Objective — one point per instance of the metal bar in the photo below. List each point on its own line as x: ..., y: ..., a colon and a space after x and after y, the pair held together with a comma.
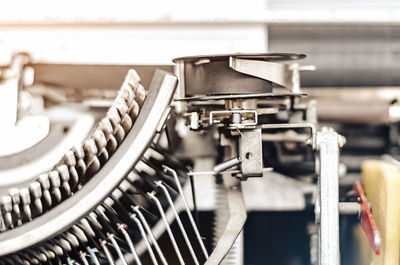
x: 151, y: 253
x: 107, y: 252
x: 150, y: 234
x: 171, y: 236
x: 119, y: 252
x: 309, y: 125
x: 121, y: 227
x: 179, y: 186
x: 178, y: 219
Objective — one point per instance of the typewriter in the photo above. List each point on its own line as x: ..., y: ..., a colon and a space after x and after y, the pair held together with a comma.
x: 175, y: 164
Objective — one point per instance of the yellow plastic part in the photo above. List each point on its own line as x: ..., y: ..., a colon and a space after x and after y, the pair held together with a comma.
x: 381, y: 183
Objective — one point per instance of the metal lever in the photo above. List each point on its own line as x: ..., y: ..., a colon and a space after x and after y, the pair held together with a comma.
x: 282, y: 74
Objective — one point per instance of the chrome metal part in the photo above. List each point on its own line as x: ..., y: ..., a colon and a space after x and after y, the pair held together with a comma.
x: 327, y: 205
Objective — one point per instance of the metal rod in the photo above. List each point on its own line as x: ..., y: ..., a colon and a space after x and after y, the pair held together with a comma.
x: 171, y: 236
x: 115, y: 244
x: 227, y: 164
x: 151, y: 253
x: 178, y: 219
x: 150, y: 234
x: 178, y: 184
x: 121, y: 227
x: 107, y: 252
x: 83, y: 258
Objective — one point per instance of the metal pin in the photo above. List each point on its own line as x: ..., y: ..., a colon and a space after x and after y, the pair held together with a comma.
x: 110, y: 259
x: 171, y: 236
x: 115, y: 244
x: 178, y: 184
x: 150, y: 234
x: 121, y: 227
x: 178, y: 219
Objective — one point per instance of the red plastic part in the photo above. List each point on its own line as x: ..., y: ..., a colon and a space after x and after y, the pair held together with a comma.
x: 367, y: 220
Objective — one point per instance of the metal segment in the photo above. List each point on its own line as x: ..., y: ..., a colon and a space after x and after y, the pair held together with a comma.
x: 193, y: 223
x: 121, y: 227
x: 178, y: 219
x: 150, y: 234
x: 170, y: 234
x: 117, y: 248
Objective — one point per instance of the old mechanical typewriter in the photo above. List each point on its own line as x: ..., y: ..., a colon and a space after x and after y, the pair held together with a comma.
x: 90, y: 174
